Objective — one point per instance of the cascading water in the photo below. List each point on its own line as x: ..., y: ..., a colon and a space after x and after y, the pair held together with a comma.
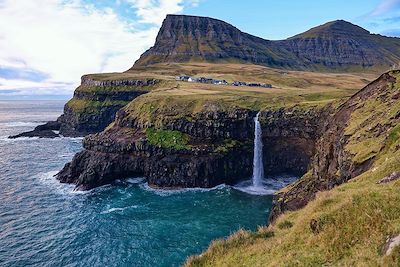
x: 258, y: 168
x: 260, y: 185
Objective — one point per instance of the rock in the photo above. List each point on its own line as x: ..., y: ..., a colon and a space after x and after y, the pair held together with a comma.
x: 391, y: 244
x: 334, y: 45
x: 77, y: 123
x: 332, y: 164
x: 314, y: 226
x: 123, y: 150
x: 42, y: 131
x: 392, y: 177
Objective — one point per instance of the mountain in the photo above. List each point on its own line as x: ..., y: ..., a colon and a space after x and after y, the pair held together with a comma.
x: 189, y: 38
x: 335, y: 45
x: 341, y: 44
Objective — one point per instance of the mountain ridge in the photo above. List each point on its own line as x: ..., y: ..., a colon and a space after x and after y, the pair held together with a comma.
x: 336, y: 45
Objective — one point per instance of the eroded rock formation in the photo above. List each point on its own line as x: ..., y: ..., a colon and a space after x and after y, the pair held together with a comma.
x: 219, y: 149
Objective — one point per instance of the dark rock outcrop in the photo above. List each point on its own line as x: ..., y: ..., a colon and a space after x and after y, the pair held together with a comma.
x: 47, y: 130
x: 93, y: 107
x: 101, y: 104
x: 336, y: 45
x: 334, y: 163
x: 124, y: 150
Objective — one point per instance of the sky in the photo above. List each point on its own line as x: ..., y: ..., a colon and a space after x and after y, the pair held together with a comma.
x: 47, y: 45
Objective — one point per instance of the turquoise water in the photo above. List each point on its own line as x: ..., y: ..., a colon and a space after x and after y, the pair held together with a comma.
x: 44, y: 223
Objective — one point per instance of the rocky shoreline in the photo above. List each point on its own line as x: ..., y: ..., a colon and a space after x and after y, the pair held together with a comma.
x: 218, y: 150
x: 92, y: 108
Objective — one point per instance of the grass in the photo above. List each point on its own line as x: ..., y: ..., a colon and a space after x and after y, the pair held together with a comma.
x: 353, y: 220
x: 372, y: 125
x: 226, y: 146
x: 169, y: 99
x: 345, y: 226
x: 167, y: 139
x: 80, y: 106
x: 173, y: 100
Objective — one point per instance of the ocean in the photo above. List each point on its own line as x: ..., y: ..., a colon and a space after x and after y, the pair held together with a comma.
x: 45, y: 223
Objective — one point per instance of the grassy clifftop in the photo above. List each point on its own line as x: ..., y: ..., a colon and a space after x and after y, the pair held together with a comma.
x: 348, y: 225
x: 175, y: 99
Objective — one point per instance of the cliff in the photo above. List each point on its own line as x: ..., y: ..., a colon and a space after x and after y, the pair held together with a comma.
x: 353, y: 139
x: 96, y: 101
x: 336, y: 45
x: 94, y: 105
x: 182, y: 134
x: 201, y: 148
x: 344, y: 211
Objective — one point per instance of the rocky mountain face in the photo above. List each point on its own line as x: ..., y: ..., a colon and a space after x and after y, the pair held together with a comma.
x: 190, y: 38
x: 218, y: 148
x: 364, y: 127
x: 337, y: 45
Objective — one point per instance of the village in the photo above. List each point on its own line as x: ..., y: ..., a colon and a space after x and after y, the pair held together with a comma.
x: 186, y: 78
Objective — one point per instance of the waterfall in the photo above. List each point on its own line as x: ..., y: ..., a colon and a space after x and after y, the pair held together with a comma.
x: 258, y: 168
x: 260, y: 185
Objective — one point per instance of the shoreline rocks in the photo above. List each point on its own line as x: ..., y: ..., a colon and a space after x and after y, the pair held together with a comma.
x: 47, y: 130
x: 220, y: 149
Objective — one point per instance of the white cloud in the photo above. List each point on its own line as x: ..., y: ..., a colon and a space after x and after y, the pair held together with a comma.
x: 154, y: 11
x: 151, y: 11
x: 66, y: 39
x: 385, y: 6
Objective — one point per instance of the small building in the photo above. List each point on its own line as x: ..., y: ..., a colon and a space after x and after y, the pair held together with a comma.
x: 205, y: 80
x: 220, y: 82
x: 264, y: 85
x: 183, y: 78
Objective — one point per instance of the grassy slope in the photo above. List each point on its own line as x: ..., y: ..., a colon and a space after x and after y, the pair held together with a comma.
x: 182, y: 99
x: 350, y: 223
x: 92, y: 106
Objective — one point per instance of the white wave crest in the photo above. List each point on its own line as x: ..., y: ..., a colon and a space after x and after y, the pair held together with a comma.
x: 168, y: 192
x: 110, y: 210
x: 48, y: 179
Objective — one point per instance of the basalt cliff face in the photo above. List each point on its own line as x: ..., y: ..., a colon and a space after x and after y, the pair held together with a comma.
x: 209, y: 148
x: 364, y: 127
x: 93, y: 107
x: 96, y: 102
x: 336, y: 45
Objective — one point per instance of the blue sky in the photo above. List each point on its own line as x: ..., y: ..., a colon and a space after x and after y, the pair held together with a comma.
x: 46, y: 45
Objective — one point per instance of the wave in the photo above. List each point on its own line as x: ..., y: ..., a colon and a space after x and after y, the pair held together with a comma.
x: 48, y: 179
x: 73, y: 139
x: 168, y: 192
x: 138, y: 180
x: 111, y: 210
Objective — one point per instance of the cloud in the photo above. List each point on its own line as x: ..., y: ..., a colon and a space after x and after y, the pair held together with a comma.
x: 64, y: 39
x: 154, y: 12
x: 385, y: 6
